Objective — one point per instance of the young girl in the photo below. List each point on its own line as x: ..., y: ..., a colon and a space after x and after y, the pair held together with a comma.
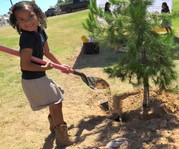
x: 166, y: 23
x: 107, y: 8
x: 28, y: 19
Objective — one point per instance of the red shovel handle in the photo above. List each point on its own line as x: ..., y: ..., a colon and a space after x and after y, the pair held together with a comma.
x: 38, y: 60
x: 90, y: 81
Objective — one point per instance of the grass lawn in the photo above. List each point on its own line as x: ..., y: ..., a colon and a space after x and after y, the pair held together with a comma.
x: 175, y: 22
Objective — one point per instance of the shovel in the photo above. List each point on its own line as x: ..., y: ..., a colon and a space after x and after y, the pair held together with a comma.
x: 92, y: 82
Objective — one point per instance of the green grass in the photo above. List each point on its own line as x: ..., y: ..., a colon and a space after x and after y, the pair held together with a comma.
x: 175, y: 22
x: 65, y: 32
x: 175, y: 5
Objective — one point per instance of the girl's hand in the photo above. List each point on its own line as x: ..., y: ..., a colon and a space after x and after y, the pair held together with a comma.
x: 48, y: 66
x: 67, y: 67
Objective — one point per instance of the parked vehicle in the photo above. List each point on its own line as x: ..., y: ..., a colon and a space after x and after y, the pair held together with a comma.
x: 51, y: 12
x: 72, y: 5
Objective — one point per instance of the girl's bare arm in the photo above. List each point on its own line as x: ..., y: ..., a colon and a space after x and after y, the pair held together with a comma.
x: 26, y: 64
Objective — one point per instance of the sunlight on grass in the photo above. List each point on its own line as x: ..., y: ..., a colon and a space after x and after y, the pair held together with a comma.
x: 175, y: 22
x: 1, y: 73
x: 67, y: 31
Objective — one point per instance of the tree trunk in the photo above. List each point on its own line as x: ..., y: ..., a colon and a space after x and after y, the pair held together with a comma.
x: 145, y: 78
x: 146, y: 101
x: 146, y: 96
x: 146, y: 84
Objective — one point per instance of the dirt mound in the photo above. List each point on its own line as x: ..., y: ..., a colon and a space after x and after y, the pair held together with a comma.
x: 159, y: 129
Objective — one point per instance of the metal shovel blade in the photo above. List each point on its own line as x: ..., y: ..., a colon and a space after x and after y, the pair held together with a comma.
x: 97, y: 83
x: 92, y: 82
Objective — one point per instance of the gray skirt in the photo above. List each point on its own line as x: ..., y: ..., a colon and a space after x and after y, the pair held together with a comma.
x: 42, y: 92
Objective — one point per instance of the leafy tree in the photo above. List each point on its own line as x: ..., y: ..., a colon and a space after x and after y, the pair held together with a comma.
x: 149, y: 56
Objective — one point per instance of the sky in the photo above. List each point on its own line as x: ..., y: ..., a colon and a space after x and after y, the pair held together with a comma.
x: 43, y: 4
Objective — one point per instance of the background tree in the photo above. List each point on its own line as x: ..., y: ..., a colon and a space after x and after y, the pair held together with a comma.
x: 148, y: 57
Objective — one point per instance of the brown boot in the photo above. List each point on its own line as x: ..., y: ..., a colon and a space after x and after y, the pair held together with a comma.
x: 52, y: 128
x: 62, y: 136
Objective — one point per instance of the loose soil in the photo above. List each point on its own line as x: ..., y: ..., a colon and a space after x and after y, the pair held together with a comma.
x: 91, y: 119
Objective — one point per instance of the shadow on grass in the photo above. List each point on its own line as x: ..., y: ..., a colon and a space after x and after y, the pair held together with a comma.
x: 140, y: 132
x: 49, y: 141
x: 106, y: 57
x: 176, y: 39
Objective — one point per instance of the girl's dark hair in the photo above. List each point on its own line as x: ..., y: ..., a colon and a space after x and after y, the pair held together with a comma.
x: 166, y: 6
x: 107, y: 4
x: 106, y: 8
x: 34, y: 7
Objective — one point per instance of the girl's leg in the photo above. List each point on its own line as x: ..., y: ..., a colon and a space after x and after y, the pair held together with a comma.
x: 167, y: 29
x: 170, y: 29
x: 61, y: 131
x: 56, y: 114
